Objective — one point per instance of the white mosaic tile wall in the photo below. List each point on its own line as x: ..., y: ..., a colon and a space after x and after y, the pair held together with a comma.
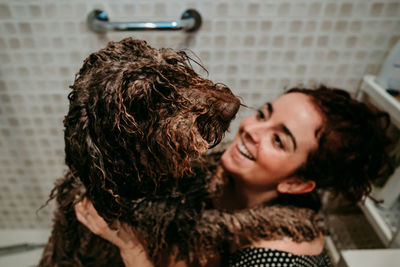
x: 256, y: 47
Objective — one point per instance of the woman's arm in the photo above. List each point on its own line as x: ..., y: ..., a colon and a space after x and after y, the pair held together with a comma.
x: 132, y: 251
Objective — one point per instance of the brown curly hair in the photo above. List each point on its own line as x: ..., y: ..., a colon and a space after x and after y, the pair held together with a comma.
x: 352, y: 144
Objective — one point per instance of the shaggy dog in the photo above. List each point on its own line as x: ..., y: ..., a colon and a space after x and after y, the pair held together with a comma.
x: 139, y: 122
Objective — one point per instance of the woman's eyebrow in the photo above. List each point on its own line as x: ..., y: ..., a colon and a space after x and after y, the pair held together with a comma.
x: 289, y: 133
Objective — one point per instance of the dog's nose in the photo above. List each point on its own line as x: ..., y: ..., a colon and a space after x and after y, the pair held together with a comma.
x: 229, y: 110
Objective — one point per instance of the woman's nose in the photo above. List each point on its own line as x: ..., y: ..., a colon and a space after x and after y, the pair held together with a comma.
x: 253, y: 131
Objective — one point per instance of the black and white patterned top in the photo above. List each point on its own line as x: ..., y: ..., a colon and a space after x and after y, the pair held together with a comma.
x: 264, y: 257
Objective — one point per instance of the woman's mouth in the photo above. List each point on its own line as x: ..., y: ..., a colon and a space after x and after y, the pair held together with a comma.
x: 243, y: 150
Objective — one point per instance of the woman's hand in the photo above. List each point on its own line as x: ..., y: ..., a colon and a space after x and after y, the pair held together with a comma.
x: 132, y: 251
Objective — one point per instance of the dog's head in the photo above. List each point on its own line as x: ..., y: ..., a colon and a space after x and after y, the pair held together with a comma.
x: 138, y: 115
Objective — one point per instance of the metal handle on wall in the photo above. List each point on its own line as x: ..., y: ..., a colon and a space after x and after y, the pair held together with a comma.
x: 98, y: 22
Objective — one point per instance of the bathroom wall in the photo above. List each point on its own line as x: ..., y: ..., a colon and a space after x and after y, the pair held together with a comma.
x: 258, y: 48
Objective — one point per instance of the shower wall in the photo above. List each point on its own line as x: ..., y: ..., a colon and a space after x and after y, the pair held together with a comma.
x: 258, y: 48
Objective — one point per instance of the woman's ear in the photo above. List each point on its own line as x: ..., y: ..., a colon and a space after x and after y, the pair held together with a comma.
x: 294, y: 185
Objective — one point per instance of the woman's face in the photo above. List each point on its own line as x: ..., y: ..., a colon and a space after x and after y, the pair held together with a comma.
x: 273, y: 143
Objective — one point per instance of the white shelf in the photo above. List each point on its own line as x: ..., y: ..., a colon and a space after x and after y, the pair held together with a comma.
x: 332, y: 250
x: 385, y: 218
x: 380, y: 98
x: 384, y: 221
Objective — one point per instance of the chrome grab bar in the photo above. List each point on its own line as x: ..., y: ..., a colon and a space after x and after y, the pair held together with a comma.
x: 98, y: 22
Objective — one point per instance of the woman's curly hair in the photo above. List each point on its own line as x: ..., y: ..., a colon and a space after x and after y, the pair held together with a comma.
x: 352, y: 144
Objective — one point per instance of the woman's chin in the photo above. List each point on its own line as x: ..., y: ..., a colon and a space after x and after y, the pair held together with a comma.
x: 227, y: 162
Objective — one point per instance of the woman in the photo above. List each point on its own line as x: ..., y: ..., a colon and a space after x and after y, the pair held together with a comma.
x: 305, y: 139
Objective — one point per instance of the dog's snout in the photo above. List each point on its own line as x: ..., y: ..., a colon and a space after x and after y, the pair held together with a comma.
x: 229, y: 110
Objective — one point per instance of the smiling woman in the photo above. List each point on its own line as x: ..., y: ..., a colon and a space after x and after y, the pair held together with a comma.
x: 271, y: 145
x: 303, y: 140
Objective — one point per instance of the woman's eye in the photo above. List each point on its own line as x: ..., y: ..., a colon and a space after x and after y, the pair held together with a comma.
x: 278, y: 142
x: 260, y: 114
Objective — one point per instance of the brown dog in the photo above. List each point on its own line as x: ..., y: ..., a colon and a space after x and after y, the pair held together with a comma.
x: 138, y: 118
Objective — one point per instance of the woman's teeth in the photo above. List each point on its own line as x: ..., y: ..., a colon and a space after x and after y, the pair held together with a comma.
x: 243, y: 150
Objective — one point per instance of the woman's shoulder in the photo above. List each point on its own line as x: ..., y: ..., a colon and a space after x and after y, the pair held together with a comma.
x: 285, y: 252
x: 251, y: 257
x: 310, y: 248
